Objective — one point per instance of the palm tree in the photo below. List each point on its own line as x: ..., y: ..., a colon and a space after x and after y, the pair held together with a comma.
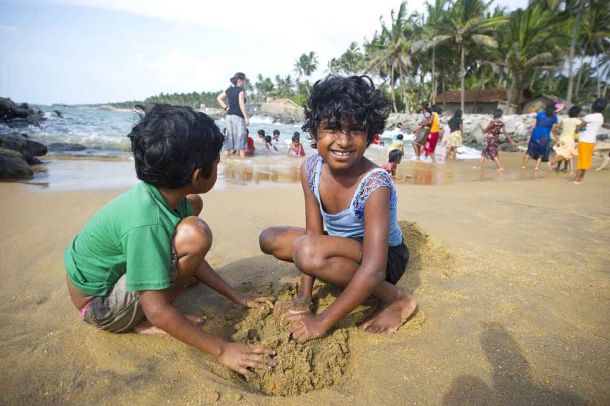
x: 433, y: 37
x: 575, y: 26
x: 350, y: 62
x: 284, y: 86
x: 388, y: 52
x: 596, y: 34
x: 306, y: 64
x: 531, y: 40
x: 467, y: 26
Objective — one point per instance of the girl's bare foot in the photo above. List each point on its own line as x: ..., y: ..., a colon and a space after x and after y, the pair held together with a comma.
x: 392, y: 316
x: 536, y: 169
x: 500, y: 169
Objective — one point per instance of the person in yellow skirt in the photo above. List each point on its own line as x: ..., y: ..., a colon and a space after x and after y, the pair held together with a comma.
x: 565, y: 149
x: 587, y: 138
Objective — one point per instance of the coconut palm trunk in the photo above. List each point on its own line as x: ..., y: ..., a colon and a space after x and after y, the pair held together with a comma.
x: 462, y: 77
x: 571, y: 54
x: 433, y: 75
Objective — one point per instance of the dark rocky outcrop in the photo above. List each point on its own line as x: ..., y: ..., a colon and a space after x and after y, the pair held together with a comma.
x: 19, y: 115
x: 16, y: 152
x: 14, y: 168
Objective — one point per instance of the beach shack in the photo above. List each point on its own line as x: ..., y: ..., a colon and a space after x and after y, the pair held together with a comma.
x: 476, y: 101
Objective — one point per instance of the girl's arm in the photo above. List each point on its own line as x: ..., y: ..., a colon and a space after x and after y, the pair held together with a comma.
x: 313, y: 224
x: 313, y: 218
x: 582, y: 125
x: 374, y: 259
x: 221, y: 100
x: 513, y: 143
x: 242, y: 106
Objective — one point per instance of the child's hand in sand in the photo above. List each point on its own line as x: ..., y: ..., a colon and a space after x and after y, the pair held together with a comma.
x: 256, y: 302
x: 305, y: 327
x: 239, y: 357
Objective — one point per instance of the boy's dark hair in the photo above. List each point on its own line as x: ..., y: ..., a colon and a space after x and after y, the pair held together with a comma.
x: 395, y: 155
x: 399, y: 137
x: 171, y: 142
x: 296, y: 137
x: 549, y: 110
x: 267, y: 138
x: 498, y: 113
x: 261, y: 133
x: 437, y: 109
x: 276, y: 132
x: 574, y: 111
x: 351, y: 101
x: 599, y: 105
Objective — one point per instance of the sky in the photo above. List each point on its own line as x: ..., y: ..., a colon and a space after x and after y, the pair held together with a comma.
x: 96, y: 51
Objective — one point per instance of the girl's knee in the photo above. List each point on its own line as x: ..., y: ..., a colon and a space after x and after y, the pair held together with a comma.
x: 306, y: 256
x: 193, y: 235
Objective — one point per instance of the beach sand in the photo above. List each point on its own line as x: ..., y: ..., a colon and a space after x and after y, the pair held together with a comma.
x: 511, y: 274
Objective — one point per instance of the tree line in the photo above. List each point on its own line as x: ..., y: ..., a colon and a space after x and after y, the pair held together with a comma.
x: 552, y: 47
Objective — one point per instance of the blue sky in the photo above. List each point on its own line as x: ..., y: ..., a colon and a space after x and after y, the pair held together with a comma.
x: 91, y: 51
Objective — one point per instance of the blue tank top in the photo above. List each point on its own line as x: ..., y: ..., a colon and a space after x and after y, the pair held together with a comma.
x: 350, y: 222
x: 233, y: 97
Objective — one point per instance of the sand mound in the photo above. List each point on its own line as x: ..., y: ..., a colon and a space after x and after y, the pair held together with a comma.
x: 300, y: 367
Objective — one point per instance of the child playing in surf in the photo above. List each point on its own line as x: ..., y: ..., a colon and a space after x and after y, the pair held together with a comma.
x: 296, y: 148
x: 343, y: 191
x: 394, y: 158
x: 135, y: 255
x: 492, y: 140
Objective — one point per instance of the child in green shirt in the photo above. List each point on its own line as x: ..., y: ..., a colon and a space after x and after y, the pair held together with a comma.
x: 136, y: 254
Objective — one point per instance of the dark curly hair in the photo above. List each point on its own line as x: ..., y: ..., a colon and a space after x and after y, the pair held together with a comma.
x: 344, y: 102
x: 171, y: 142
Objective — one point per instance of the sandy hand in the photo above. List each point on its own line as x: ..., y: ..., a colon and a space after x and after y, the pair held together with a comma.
x: 305, y: 327
x: 295, y: 306
x: 240, y: 357
x: 256, y: 302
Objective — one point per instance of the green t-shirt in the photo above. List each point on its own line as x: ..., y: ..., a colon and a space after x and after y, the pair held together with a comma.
x: 132, y: 234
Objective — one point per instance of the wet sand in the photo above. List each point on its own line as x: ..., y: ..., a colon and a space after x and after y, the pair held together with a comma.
x: 511, y: 273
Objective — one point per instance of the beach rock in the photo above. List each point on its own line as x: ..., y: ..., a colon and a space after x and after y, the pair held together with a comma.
x: 21, y: 143
x: 65, y: 147
x: 16, y: 115
x: 14, y: 168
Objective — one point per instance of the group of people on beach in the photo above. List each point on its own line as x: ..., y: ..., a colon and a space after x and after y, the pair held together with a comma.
x: 135, y: 255
x: 577, y: 139
x: 237, y: 139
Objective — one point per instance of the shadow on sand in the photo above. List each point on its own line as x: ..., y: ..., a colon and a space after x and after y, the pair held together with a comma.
x: 512, y: 378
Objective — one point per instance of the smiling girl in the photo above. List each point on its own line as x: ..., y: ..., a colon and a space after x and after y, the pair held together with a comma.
x: 351, y: 238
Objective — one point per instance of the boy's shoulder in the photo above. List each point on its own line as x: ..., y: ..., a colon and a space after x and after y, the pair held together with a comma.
x: 133, y: 209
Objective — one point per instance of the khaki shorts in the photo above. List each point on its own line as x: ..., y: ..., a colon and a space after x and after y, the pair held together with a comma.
x: 121, y: 310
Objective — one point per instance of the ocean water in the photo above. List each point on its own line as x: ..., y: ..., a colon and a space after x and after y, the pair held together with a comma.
x: 104, y: 133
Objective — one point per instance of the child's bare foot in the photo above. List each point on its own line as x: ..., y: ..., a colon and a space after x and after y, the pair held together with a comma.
x: 146, y: 327
x: 392, y: 316
x: 500, y: 169
x: 294, y: 306
x: 536, y: 169
x: 524, y: 167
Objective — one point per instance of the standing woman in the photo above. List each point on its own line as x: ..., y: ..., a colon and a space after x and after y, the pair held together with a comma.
x: 435, y: 127
x: 539, y: 145
x: 422, y: 131
x: 236, y: 119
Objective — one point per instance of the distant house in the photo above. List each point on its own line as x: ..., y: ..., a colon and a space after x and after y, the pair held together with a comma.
x: 539, y: 103
x: 281, y: 106
x: 476, y: 101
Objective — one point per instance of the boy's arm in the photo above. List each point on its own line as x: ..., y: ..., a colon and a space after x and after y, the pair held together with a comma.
x: 211, y: 278
x: 161, y: 313
x: 369, y: 275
